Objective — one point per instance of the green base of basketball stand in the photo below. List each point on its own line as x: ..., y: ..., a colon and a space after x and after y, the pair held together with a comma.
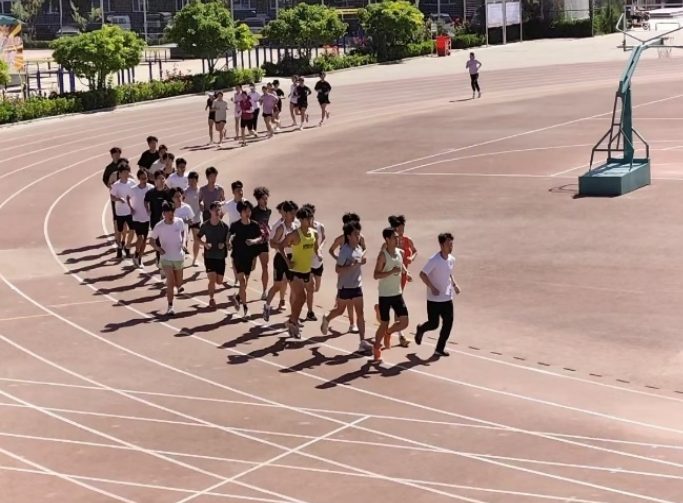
x: 615, y: 178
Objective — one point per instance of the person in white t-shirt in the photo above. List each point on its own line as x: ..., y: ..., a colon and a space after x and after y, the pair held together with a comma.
x: 171, y: 235
x: 229, y: 210
x: 437, y: 274
x: 255, y: 97
x: 473, y: 66
x: 120, y: 193
x: 178, y: 179
x: 140, y: 215
x: 313, y: 286
x: 183, y: 211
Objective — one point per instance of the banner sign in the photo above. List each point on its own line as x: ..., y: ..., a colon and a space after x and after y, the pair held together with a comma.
x: 512, y: 13
x: 12, y: 47
x: 494, y: 14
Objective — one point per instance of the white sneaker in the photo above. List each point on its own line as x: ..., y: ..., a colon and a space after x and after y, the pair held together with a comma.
x: 364, y: 347
x: 353, y: 329
x: 170, y: 311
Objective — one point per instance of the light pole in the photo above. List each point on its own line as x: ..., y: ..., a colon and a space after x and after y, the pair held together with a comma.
x: 61, y: 15
x: 144, y: 18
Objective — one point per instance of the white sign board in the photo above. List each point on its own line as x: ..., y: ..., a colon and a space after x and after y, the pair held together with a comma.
x: 494, y: 14
x: 512, y: 13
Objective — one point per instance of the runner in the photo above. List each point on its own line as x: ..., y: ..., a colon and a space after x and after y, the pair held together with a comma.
x: 304, y: 246
x: 437, y: 274
x: 246, y: 117
x: 192, y: 198
x: 212, y: 115
x: 473, y: 65
x: 183, y: 211
x: 220, y: 107
x: 140, y: 216
x: 336, y: 245
x: 214, y: 236
x: 150, y: 155
x: 110, y: 175
x: 237, y: 97
x: 302, y: 92
x: 261, y: 215
x: 167, y: 239
x: 120, y: 194
x: 245, y: 235
x: 154, y: 200
x: 281, y: 275
x: 269, y: 101
x: 350, y: 282
x: 389, y: 270
x: 293, y: 107
x: 168, y: 159
x: 157, y: 165
x: 255, y: 98
x: 323, y: 88
x: 278, y: 110
x: 178, y: 179
x: 313, y: 286
x: 210, y: 192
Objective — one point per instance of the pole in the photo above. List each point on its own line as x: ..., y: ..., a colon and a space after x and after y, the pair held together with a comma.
x: 232, y: 9
x: 464, y: 12
x: 521, y: 23
x: 277, y: 8
x: 61, y: 14
x: 505, y: 24
x: 438, y: 8
x: 102, y: 12
x: 144, y: 18
x: 486, y: 7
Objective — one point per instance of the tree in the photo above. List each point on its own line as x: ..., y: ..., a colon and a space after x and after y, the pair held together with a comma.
x: 392, y: 23
x: 83, y: 21
x: 97, y: 54
x: 4, y: 74
x: 27, y: 11
x: 208, y: 31
x: 305, y: 26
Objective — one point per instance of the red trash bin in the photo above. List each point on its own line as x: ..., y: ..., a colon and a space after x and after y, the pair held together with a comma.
x: 443, y: 45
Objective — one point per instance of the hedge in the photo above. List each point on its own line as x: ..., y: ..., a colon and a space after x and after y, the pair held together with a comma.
x: 361, y: 56
x: 467, y: 40
x: 16, y: 110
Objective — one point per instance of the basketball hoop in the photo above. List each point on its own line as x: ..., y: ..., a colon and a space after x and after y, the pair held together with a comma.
x: 664, y: 51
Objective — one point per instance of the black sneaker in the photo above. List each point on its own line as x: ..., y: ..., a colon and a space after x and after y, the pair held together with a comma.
x: 311, y: 316
x: 419, y: 334
x: 127, y: 252
x: 119, y: 253
x: 441, y: 352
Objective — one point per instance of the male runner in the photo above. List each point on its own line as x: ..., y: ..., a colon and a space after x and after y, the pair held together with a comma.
x: 350, y: 282
x: 214, y: 235
x: 110, y: 175
x: 245, y: 235
x: 154, y: 200
x: 120, y: 193
x: 150, y: 155
x: 389, y: 269
x: 281, y: 274
x: 210, y: 192
x: 304, y: 246
x: 323, y: 88
x: 178, y: 178
x: 437, y: 274
x: 261, y: 215
x: 167, y: 239
x: 140, y: 215
x: 230, y: 210
x: 192, y: 198
x: 317, y: 268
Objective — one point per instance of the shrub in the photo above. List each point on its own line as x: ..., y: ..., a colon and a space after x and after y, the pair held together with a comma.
x: 328, y: 62
x: 467, y: 40
x: 16, y: 110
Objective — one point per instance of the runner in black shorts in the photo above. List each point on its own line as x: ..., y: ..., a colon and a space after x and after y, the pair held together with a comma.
x: 245, y: 235
x: 214, y: 235
x: 261, y: 215
x: 323, y: 88
x: 302, y: 91
x: 278, y: 109
x: 154, y: 200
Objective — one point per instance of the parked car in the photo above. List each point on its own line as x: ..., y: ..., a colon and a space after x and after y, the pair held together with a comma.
x: 68, y: 31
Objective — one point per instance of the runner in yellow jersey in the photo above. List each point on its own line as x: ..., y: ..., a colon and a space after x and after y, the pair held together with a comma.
x: 304, y: 246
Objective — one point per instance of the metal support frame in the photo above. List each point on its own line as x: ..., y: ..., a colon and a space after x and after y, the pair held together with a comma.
x: 621, y: 132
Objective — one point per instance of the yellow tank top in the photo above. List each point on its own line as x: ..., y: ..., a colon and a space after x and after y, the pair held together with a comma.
x: 302, y: 253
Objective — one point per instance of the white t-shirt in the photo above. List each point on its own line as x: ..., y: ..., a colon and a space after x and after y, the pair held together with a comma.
x: 122, y: 190
x: 320, y: 232
x: 285, y: 230
x: 137, y: 201
x: 186, y: 214
x: 439, y: 270
x: 177, y: 181
x: 230, y: 210
x: 292, y: 97
x: 171, y: 238
x: 254, y: 99
x: 157, y: 165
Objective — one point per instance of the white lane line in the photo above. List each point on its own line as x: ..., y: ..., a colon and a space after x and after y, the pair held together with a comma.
x: 524, y: 133
x: 46, y: 471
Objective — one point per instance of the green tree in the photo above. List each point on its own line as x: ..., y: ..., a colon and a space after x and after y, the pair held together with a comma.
x: 83, y: 21
x: 97, y: 54
x: 27, y: 11
x: 208, y: 31
x: 4, y: 74
x: 305, y: 26
x: 392, y: 23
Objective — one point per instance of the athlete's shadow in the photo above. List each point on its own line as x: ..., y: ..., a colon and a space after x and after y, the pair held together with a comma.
x: 84, y: 248
x: 88, y: 258
x: 370, y: 369
x: 318, y: 359
x: 254, y: 333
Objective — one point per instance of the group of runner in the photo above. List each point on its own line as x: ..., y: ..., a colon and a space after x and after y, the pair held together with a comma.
x: 168, y: 210
x: 249, y: 104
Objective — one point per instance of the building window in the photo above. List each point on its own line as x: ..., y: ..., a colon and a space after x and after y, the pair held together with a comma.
x: 138, y: 5
x: 105, y: 5
x: 6, y: 6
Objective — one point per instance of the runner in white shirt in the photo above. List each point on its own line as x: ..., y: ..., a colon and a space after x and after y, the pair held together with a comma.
x: 183, y: 211
x: 255, y: 97
x: 437, y: 274
x: 192, y: 197
x: 120, y: 194
x: 229, y: 211
x: 473, y: 66
x: 140, y: 216
x: 293, y: 110
x: 313, y: 286
x: 171, y: 234
x: 237, y: 97
x: 178, y: 179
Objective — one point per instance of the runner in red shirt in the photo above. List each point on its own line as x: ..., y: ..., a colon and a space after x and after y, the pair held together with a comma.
x: 246, y: 116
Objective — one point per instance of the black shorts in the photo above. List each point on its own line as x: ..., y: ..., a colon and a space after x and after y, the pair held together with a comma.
x: 324, y: 100
x: 113, y: 209
x: 141, y: 228
x: 267, y: 115
x: 212, y: 116
x: 243, y: 264
x: 317, y: 271
x: 262, y: 248
x: 350, y: 293
x: 220, y: 122
x: 280, y: 269
x: 196, y: 225
x: 303, y: 276
x: 121, y: 222
x: 247, y: 123
x: 302, y: 106
x: 395, y: 303
x: 216, y: 265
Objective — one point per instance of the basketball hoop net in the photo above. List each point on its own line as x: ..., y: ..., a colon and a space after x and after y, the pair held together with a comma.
x: 664, y: 51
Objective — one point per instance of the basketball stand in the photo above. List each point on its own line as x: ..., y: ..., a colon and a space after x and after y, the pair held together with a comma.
x: 623, y: 172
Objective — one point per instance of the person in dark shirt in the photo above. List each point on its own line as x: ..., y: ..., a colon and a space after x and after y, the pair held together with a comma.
x: 302, y: 91
x: 150, y: 155
x: 214, y: 235
x: 278, y: 109
x: 323, y: 88
x: 245, y: 235
x: 110, y: 175
x: 261, y: 215
x: 154, y: 200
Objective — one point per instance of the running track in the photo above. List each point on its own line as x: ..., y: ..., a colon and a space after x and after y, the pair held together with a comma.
x: 102, y: 400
